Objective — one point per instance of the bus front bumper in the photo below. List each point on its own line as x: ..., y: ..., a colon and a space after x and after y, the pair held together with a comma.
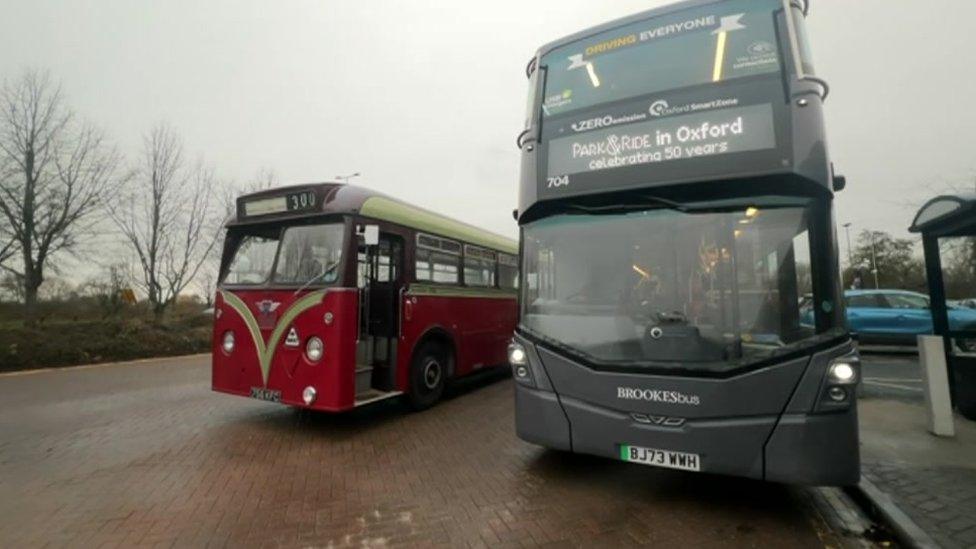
x: 812, y: 449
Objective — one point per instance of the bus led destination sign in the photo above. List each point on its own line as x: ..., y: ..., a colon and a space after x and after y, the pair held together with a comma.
x: 291, y: 202
x: 686, y: 137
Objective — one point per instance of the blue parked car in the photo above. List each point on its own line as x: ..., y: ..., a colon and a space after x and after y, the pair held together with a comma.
x: 897, y: 316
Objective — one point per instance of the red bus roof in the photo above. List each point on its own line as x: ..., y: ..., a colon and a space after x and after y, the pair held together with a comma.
x: 338, y: 198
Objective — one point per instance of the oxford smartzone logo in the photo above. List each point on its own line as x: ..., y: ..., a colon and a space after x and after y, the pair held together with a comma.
x: 657, y: 395
x: 659, y: 107
x: 662, y: 108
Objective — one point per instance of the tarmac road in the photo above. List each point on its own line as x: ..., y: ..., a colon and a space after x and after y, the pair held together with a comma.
x: 145, y: 454
x: 892, y: 375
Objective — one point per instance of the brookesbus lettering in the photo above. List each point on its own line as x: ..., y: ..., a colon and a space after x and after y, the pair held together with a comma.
x: 657, y: 395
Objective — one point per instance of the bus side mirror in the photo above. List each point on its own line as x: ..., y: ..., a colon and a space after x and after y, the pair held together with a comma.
x: 515, y: 214
x: 840, y: 183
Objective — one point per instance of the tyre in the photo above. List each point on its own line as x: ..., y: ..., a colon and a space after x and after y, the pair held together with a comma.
x: 428, y: 372
x: 968, y: 411
x: 967, y: 345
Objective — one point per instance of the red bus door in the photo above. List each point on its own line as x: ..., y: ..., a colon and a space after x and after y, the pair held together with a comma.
x: 381, y: 268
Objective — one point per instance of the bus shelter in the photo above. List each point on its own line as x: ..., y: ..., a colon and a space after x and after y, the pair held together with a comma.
x: 947, y: 225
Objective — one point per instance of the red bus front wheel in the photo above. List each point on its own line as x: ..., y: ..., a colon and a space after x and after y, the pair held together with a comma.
x: 427, y: 374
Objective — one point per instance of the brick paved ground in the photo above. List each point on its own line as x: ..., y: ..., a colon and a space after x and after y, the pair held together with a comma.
x: 931, y: 479
x: 941, y: 500
x: 147, y: 455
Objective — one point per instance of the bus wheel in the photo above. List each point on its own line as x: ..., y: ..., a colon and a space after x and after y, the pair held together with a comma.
x: 968, y: 410
x: 966, y: 345
x: 427, y: 373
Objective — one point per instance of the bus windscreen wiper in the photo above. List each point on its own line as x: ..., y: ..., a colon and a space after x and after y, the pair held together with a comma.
x: 328, y: 269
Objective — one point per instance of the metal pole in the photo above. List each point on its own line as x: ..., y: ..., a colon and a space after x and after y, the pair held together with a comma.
x: 850, y: 255
x: 874, y: 260
x: 937, y: 297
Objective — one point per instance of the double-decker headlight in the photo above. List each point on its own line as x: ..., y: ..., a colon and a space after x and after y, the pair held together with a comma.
x: 842, y: 375
x: 843, y: 372
x: 519, y: 360
x: 228, y: 342
x: 314, y: 349
x: 516, y: 354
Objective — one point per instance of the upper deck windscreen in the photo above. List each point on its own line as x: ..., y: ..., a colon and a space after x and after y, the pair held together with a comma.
x: 694, y: 95
x: 713, y: 43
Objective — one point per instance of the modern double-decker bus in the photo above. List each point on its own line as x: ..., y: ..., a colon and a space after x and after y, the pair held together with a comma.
x: 675, y: 209
x: 334, y: 296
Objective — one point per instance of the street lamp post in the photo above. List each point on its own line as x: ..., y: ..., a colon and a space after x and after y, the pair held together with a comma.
x: 850, y: 255
x: 874, y: 260
x: 346, y: 178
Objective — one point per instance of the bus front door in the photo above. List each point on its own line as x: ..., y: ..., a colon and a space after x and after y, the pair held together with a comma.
x: 380, y: 280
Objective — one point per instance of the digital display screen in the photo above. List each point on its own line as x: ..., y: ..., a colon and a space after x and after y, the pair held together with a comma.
x: 710, y: 44
x: 264, y: 206
x: 690, y: 136
x: 291, y: 202
x: 692, y: 95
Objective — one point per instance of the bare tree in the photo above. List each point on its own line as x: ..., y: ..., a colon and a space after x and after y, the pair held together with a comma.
x: 8, y: 248
x: 208, y: 281
x: 264, y: 178
x: 107, y: 288
x: 165, y: 218
x: 8, y: 242
x: 55, y: 174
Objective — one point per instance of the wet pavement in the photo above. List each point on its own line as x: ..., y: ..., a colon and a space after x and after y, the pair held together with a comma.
x: 892, y: 375
x: 931, y: 479
x: 146, y: 454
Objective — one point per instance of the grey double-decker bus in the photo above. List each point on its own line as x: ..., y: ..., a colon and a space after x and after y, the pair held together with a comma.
x: 680, y: 303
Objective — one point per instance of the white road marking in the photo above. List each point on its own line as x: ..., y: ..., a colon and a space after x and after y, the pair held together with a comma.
x: 894, y: 379
x: 894, y: 386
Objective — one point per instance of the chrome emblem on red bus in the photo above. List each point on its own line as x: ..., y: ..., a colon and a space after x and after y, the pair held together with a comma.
x: 266, y: 313
x: 267, y: 306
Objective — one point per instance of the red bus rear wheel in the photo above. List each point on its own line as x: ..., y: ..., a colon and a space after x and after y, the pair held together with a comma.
x: 427, y: 374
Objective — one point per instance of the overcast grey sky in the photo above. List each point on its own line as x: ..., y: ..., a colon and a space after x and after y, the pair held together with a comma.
x: 426, y: 97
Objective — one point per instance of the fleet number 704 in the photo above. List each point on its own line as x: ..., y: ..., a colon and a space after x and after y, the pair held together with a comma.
x: 557, y: 181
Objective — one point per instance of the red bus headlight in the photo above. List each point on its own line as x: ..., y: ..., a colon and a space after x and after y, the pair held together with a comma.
x: 314, y: 349
x: 228, y: 342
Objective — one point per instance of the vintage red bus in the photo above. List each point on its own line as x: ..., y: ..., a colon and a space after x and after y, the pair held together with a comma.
x: 334, y: 296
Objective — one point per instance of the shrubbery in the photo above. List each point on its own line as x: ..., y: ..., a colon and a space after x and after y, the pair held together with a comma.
x: 65, y: 340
